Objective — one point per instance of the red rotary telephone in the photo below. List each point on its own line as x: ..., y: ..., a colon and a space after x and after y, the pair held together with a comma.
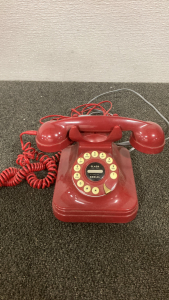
x: 95, y: 181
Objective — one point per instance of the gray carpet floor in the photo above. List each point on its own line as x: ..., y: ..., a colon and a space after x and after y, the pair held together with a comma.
x: 43, y: 258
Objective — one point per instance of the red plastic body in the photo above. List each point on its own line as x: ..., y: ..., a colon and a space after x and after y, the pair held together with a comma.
x: 113, y: 198
x: 118, y: 206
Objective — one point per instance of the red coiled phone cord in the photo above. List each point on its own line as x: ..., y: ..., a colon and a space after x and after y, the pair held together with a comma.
x: 13, y: 176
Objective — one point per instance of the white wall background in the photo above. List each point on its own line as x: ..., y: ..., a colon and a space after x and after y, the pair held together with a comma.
x: 91, y: 40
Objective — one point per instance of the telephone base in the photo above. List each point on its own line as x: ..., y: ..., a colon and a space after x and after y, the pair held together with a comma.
x: 91, y: 218
x: 118, y: 206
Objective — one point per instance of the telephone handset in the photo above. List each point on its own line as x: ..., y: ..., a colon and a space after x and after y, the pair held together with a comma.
x: 95, y: 181
x: 146, y: 137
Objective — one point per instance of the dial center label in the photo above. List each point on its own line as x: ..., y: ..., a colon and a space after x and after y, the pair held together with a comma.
x: 95, y: 171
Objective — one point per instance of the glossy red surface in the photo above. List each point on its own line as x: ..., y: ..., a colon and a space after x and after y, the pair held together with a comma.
x: 110, y: 199
x: 118, y: 206
x: 147, y: 137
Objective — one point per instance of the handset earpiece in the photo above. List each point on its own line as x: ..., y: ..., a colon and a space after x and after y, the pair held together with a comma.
x: 52, y: 136
x: 148, y: 138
